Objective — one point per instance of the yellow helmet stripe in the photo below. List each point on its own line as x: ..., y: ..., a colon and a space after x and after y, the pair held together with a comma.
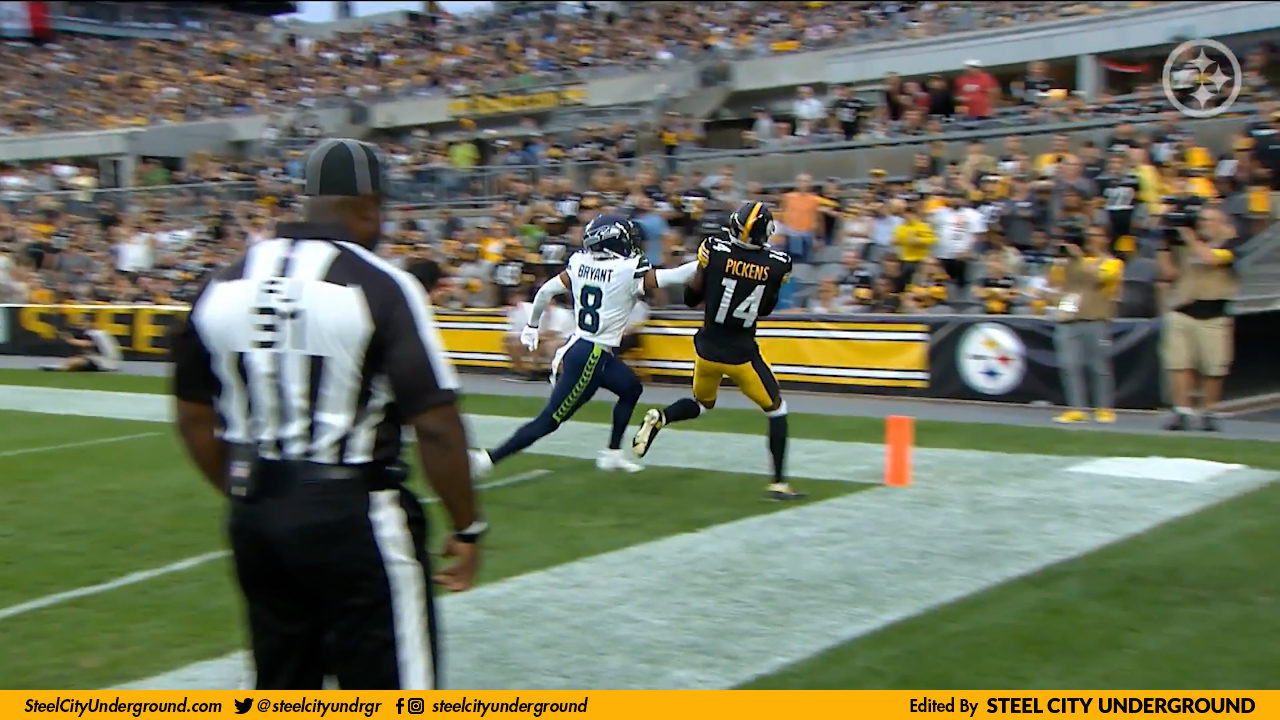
x: 751, y: 220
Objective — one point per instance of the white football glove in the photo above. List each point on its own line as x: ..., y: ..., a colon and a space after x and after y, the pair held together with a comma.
x: 529, y: 337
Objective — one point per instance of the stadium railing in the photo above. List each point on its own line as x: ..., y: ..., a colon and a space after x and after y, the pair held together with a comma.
x: 782, y: 162
x: 483, y: 182
x: 175, y: 200
x: 779, y: 164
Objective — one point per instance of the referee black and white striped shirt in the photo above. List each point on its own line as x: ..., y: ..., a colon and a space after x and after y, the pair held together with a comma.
x: 313, y: 348
x: 294, y: 373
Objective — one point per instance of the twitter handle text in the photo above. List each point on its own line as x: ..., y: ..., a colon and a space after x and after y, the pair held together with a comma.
x: 315, y: 707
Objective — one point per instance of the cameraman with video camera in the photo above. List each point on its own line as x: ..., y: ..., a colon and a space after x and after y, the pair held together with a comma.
x: 1197, y: 254
x: 1086, y: 276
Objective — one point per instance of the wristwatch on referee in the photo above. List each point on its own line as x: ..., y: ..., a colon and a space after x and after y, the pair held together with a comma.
x: 471, y: 533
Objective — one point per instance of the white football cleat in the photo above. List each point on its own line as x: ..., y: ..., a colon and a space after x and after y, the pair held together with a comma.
x: 481, y: 464
x: 612, y: 461
x: 783, y: 491
x: 653, y: 422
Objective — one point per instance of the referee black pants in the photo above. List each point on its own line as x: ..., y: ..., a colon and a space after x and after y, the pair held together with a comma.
x: 337, y: 582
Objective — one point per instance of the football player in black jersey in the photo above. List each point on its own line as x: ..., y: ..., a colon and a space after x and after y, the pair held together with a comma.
x: 740, y: 277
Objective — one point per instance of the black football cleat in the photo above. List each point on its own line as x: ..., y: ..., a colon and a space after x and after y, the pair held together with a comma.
x: 1177, y: 423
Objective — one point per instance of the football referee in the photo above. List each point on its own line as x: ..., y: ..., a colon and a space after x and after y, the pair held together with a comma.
x: 294, y: 373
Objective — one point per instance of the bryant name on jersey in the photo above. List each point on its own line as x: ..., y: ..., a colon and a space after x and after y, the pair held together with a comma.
x: 605, y: 290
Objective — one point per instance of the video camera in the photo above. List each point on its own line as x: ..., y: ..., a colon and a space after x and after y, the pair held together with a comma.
x: 1066, y: 235
x: 1183, y: 211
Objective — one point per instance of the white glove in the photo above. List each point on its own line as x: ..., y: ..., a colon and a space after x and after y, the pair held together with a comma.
x: 529, y: 337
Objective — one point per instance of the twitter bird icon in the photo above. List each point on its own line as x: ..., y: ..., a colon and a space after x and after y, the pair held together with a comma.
x: 242, y: 706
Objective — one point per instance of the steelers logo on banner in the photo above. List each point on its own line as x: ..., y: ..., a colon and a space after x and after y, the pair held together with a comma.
x: 991, y: 358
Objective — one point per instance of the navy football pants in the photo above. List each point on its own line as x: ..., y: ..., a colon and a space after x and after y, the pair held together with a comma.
x: 585, y: 368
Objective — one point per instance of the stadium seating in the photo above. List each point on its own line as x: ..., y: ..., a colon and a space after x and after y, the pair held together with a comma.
x: 594, y: 149
x: 215, y: 65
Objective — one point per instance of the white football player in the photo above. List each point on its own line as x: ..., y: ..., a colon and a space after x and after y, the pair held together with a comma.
x: 606, y: 278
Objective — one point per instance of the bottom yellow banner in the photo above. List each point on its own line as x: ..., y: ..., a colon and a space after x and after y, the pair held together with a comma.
x: 628, y: 704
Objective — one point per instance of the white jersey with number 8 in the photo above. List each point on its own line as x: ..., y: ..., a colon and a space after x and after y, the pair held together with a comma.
x: 605, y: 289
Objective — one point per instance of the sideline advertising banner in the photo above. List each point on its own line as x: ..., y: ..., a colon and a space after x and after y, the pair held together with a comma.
x: 143, y: 331
x: 964, y: 357
x: 517, y: 102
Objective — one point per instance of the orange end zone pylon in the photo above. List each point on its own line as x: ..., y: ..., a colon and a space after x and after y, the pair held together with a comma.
x: 899, y: 436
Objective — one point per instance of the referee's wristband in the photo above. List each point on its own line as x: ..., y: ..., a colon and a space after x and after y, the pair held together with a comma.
x: 471, y: 533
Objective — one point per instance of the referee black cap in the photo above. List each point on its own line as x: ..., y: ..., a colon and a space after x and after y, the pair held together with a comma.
x: 343, y: 167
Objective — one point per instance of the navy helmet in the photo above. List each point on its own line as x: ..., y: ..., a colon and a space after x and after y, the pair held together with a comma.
x: 610, y: 234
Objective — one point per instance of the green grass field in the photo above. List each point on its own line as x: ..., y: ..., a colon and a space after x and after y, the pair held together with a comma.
x: 1190, y: 604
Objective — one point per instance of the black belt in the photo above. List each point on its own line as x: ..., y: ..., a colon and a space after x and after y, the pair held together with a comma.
x: 250, y: 476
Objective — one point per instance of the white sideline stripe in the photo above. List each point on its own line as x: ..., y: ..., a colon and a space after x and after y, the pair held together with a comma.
x: 195, y: 561
x: 505, y: 482
x: 82, y: 443
x: 685, y: 449
x: 123, y: 581
x: 723, y: 605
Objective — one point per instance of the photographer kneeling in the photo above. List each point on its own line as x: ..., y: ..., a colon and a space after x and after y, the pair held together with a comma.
x: 1197, y: 332
x: 1086, y: 277
x: 92, y: 350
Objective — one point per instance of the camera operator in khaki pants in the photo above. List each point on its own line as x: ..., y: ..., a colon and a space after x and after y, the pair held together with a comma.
x: 1197, y: 336
x: 1086, y: 278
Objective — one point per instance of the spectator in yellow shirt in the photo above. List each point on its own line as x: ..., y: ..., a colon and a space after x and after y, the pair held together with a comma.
x: 1148, y: 178
x: 1198, y: 182
x: 1060, y: 152
x: 999, y: 288
x: 914, y: 238
x: 41, y: 295
x: 928, y: 287
x: 493, y: 245
x: 1198, y: 157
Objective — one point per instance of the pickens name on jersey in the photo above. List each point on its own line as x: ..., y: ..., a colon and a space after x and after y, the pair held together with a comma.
x: 746, y: 270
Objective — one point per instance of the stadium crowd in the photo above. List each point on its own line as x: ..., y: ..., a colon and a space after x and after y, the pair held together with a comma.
x: 967, y: 231
x: 231, y: 67
x: 974, y: 232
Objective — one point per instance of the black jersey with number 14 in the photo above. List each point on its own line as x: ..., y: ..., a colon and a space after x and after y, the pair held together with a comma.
x: 740, y: 285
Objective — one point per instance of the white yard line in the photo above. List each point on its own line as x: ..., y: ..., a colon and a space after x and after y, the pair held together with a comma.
x: 82, y: 443
x: 197, y: 560
x: 505, y: 482
x: 123, y: 581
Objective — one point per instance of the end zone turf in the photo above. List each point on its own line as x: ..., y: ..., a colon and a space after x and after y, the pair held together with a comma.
x: 675, y: 582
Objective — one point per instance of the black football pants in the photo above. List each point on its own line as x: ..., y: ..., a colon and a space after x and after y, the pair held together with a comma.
x: 337, y: 582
